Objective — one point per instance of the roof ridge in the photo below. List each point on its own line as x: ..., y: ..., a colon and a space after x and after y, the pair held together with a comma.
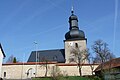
x: 48, y: 50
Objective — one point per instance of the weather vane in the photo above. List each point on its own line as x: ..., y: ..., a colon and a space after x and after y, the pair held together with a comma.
x: 72, y: 8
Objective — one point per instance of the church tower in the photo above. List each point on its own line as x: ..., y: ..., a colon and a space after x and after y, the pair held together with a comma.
x: 74, y: 37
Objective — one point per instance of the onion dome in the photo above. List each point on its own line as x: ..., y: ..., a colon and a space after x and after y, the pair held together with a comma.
x: 74, y: 32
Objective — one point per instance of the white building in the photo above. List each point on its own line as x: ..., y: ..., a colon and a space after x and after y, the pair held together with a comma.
x: 2, y: 55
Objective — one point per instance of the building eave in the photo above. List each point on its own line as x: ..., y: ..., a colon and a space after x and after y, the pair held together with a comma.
x: 29, y: 63
x: 114, y: 63
x: 75, y: 39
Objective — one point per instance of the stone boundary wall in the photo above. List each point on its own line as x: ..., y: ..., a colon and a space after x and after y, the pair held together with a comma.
x: 28, y: 70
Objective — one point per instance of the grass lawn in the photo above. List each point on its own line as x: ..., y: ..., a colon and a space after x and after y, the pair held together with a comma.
x: 65, y: 78
x: 41, y: 79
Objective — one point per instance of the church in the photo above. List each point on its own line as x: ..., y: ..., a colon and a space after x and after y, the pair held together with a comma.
x: 74, y: 37
x: 55, y: 58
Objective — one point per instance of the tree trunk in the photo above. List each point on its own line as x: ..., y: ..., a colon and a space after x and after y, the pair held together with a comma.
x: 92, y: 68
x: 80, y: 72
x: 46, y: 70
x: 79, y: 65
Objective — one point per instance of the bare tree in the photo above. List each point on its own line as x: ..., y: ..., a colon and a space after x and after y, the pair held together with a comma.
x: 91, y: 62
x: 45, y: 64
x: 56, y: 73
x: 12, y: 59
x: 102, y: 52
x: 78, y: 56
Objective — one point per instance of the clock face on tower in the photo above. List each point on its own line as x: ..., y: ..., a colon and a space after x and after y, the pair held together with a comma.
x: 71, y: 43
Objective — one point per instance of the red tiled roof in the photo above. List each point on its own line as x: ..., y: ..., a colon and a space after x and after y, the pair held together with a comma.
x: 73, y: 64
x: 109, y: 64
x: 58, y: 64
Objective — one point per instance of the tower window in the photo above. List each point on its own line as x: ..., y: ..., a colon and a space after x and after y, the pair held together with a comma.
x: 4, y: 74
x: 76, y: 45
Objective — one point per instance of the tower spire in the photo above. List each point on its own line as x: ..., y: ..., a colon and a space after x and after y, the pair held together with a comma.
x: 74, y: 32
x: 72, y: 10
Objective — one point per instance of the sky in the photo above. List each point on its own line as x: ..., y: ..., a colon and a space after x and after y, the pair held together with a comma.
x: 23, y: 22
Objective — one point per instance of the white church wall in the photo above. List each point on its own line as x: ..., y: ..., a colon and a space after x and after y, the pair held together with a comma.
x: 20, y: 71
x: 74, y: 70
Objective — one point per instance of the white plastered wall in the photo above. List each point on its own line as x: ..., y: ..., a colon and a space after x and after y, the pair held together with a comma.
x: 20, y: 71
